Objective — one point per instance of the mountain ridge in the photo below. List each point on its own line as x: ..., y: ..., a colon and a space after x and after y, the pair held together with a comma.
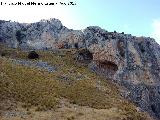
x: 132, y: 62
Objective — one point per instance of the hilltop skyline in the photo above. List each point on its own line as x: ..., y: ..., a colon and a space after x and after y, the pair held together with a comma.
x: 139, y: 18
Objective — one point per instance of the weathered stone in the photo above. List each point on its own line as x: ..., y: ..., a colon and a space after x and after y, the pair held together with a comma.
x: 74, y: 39
x: 36, y: 64
x: 133, y: 62
x: 83, y: 56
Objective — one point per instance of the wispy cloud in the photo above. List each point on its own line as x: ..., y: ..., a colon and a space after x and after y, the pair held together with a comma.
x: 156, y: 30
x: 124, y: 28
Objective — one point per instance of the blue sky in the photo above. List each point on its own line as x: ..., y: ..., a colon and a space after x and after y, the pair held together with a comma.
x: 137, y: 17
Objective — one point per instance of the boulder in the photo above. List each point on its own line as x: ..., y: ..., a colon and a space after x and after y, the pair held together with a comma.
x: 33, y: 55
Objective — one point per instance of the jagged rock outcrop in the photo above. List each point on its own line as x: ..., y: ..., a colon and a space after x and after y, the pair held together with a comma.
x: 133, y: 62
x: 8, y: 32
x: 45, y: 34
x: 83, y: 56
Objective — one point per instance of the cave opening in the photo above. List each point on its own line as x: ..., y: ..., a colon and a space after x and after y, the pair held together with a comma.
x: 153, y: 107
x: 84, y: 56
x: 108, y: 68
x: 121, y: 48
x: 76, y: 45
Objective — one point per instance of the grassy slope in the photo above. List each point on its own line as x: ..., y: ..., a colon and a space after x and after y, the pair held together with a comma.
x: 44, y: 90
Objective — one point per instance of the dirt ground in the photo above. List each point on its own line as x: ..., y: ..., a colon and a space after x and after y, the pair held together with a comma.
x: 66, y: 111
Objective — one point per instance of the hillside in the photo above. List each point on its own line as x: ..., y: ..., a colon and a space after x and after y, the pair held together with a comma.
x: 131, y: 62
x: 70, y: 92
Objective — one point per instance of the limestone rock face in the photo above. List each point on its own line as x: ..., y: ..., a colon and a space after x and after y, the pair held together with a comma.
x: 45, y: 34
x: 8, y: 32
x: 133, y: 62
x: 72, y: 39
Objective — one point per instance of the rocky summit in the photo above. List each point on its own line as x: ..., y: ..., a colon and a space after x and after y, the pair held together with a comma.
x: 130, y: 61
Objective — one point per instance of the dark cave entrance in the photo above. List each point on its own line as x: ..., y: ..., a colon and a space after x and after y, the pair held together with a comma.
x: 76, y: 45
x: 107, y: 68
x: 83, y: 56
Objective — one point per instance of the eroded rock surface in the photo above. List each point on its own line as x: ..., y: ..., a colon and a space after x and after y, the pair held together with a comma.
x: 45, y: 34
x: 133, y: 62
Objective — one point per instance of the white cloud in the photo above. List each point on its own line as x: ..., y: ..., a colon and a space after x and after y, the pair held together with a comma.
x: 156, y: 30
x: 30, y: 14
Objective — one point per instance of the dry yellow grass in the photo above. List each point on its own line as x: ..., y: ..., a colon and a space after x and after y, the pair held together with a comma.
x: 44, y: 90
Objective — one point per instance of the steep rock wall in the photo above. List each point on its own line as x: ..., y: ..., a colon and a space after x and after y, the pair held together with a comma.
x: 133, y: 62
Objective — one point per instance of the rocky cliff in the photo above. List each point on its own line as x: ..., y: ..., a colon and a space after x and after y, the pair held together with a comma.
x: 44, y: 34
x: 133, y: 62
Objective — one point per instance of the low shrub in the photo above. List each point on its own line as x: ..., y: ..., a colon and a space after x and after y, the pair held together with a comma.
x: 33, y: 55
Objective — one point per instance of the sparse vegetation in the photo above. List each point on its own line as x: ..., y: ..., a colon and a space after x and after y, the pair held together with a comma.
x: 43, y: 90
